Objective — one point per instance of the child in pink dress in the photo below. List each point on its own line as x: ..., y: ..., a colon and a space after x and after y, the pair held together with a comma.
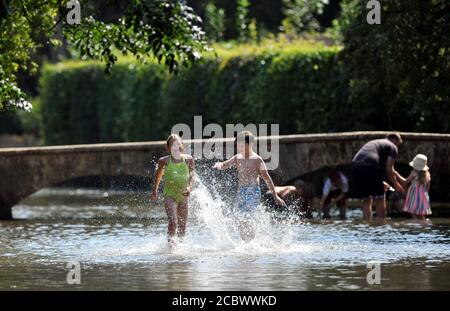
x: 417, y: 201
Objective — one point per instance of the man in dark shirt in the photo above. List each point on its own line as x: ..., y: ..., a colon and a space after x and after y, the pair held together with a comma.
x: 368, y: 167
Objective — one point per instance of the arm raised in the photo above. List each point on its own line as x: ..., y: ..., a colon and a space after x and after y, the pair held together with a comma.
x: 226, y: 164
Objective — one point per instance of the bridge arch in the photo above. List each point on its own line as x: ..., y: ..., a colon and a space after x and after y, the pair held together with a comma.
x: 27, y: 170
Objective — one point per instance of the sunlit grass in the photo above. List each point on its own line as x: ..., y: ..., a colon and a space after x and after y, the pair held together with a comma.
x: 281, y: 44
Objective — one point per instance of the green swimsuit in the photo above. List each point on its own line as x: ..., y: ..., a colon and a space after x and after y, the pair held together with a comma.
x: 176, y: 176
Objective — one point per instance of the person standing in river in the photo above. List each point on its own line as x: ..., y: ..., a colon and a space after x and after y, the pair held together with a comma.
x: 368, y: 168
x: 417, y: 201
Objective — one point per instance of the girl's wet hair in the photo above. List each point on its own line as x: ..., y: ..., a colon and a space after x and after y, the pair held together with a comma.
x: 172, y: 137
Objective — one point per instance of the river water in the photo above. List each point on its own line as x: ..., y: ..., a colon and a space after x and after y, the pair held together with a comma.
x: 119, y: 240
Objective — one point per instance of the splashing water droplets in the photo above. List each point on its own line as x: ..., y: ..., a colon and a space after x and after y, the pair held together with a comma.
x: 213, y: 227
x: 209, y: 212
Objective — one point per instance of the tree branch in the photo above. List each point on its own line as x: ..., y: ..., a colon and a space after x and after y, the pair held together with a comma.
x: 24, y: 11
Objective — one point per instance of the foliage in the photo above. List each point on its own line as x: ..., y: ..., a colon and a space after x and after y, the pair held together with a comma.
x: 243, y: 20
x: 303, y: 86
x: 301, y: 15
x: 214, y: 22
x: 402, y: 66
x: 142, y: 102
x: 10, y: 123
x: 165, y: 29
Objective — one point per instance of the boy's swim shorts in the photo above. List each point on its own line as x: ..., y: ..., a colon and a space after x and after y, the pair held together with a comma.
x: 249, y: 198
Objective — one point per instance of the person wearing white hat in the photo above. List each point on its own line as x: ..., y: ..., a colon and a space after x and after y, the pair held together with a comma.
x: 417, y: 201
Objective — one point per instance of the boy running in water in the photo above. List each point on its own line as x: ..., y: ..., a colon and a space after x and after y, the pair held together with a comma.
x: 250, y: 167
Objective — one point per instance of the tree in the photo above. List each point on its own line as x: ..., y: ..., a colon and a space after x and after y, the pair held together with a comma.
x: 301, y: 15
x: 214, y: 22
x: 165, y: 29
x: 243, y: 20
x: 401, y: 66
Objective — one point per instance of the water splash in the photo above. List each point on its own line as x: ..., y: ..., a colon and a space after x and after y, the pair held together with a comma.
x: 213, y: 226
x: 213, y: 236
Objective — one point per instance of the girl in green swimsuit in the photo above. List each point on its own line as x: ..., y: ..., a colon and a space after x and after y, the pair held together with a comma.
x: 178, y: 170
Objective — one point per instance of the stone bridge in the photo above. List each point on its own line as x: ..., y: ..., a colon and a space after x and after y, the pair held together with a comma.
x: 23, y: 171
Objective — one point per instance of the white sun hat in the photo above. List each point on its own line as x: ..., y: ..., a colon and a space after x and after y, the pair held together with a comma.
x: 419, y: 163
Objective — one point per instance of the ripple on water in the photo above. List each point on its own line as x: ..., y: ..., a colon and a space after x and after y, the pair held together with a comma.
x: 281, y: 250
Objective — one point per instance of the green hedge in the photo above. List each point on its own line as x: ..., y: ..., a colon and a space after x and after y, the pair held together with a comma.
x: 82, y: 105
x: 401, y: 66
x: 299, y: 89
x: 304, y: 89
